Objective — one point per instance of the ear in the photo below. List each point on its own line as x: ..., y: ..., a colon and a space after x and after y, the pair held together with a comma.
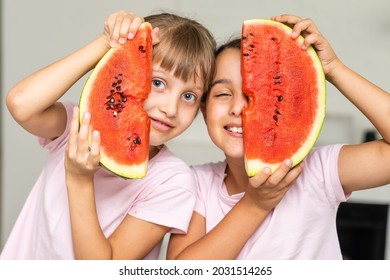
x: 204, y: 111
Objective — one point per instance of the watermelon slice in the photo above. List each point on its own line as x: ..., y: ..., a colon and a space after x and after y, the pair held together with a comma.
x: 114, y: 94
x: 285, y: 86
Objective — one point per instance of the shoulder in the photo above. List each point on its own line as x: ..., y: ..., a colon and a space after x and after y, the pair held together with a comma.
x: 320, y: 175
x: 208, y: 174
x: 322, y: 156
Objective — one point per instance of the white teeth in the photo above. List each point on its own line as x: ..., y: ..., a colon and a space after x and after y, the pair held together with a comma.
x: 235, y: 129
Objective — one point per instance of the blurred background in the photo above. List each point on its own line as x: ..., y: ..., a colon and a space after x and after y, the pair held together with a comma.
x: 37, y: 33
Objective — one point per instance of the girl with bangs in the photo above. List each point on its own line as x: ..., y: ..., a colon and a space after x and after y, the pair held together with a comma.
x: 84, y: 211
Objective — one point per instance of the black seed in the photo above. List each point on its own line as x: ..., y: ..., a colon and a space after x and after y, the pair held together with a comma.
x: 137, y: 141
x: 243, y: 37
x: 111, y: 106
x: 118, y: 105
x: 143, y: 51
x: 280, y: 98
x: 113, y: 84
x: 246, y: 54
x: 119, y: 82
x: 124, y: 99
x: 277, y: 111
x: 252, y: 46
x: 275, y: 117
x: 129, y: 138
x: 120, y: 74
x: 141, y: 48
x: 118, y: 88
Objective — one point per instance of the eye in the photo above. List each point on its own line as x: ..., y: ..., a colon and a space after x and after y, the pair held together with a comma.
x: 189, y: 96
x: 156, y: 83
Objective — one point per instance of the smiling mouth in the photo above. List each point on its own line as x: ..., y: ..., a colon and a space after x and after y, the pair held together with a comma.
x: 234, y: 129
x: 160, y: 124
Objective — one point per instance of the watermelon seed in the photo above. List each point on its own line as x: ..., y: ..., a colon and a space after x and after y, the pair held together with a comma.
x: 275, y: 117
x: 277, y: 111
x: 246, y: 54
x: 114, y: 85
x: 280, y: 98
x: 119, y: 82
x: 243, y: 37
x: 137, y: 141
x: 118, y: 88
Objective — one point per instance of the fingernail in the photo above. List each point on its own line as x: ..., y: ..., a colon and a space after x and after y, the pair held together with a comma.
x: 87, y: 115
x: 122, y: 40
x: 288, y: 162
x: 130, y: 35
x: 267, y: 170
x: 112, y: 43
x: 95, y: 133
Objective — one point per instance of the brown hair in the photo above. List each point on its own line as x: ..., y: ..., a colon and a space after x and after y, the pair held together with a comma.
x: 234, y: 43
x: 185, y: 46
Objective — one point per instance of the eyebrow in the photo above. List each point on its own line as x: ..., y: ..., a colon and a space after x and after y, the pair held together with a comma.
x: 220, y: 81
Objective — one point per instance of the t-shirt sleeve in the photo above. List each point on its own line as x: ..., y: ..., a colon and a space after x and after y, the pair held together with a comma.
x: 170, y: 204
x: 321, y: 175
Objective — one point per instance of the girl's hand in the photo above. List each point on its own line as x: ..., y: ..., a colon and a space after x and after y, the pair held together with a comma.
x: 266, y: 190
x: 313, y: 36
x: 81, y: 160
x: 121, y: 26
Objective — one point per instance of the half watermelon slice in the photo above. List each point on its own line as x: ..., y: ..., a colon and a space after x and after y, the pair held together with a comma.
x: 286, y: 89
x: 114, y: 94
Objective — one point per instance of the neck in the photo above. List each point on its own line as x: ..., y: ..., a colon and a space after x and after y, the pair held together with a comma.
x: 153, y: 150
x: 236, y: 179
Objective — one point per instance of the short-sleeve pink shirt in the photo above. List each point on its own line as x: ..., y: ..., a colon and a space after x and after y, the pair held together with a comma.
x: 301, y: 226
x: 165, y: 196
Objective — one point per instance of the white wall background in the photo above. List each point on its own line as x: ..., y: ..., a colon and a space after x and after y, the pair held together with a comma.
x: 36, y: 33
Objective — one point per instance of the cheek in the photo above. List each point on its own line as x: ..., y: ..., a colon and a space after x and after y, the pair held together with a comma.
x: 187, y: 116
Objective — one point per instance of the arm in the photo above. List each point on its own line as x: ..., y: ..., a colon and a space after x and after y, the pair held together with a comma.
x: 366, y: 165
x: 264, y: 192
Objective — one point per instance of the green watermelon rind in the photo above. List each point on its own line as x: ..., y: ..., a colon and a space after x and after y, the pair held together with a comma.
x: 135, y: 171
x: 254, y: 166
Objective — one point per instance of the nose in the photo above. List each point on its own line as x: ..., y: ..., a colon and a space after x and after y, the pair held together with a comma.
x: 239, y: 103
x: 169, y: 106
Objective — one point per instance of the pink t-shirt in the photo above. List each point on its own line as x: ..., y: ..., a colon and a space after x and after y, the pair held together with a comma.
x: 301, y: 226
x: 165, y: 196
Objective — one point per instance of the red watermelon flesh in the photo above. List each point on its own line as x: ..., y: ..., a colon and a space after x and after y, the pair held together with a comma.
x: 114, y: 95
x: 285, y: 86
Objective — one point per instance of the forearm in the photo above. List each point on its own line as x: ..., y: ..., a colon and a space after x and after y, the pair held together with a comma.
x: 371, y: 100
x: 89, y: 241
x: 228, y: 238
